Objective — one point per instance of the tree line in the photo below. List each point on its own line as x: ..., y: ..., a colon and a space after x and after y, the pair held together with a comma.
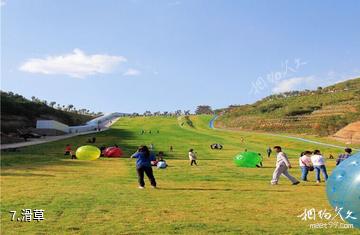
x: 201, y: 109
x: 67, y: 108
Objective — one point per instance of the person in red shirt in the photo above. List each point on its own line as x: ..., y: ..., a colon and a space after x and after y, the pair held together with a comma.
x: 67, y: 149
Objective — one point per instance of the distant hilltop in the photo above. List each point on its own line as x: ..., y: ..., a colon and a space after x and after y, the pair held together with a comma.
x: 322, y: 112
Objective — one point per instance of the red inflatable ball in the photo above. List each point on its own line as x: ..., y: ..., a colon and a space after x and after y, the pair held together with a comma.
x: 113, y: 152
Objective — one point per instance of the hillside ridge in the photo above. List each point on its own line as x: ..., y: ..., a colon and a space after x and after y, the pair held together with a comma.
x: 322, y: 112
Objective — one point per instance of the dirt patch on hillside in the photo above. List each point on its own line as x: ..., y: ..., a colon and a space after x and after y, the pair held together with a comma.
x: 349, y: 134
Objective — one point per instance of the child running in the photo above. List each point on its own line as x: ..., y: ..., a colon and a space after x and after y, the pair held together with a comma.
x: 192, y: 157
x: 143, y: 165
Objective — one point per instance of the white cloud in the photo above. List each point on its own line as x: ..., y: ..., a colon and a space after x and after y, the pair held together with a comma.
x: 132, y: 72
x: 2, y: 3
x: 76, y: 64
x: 295, y: 83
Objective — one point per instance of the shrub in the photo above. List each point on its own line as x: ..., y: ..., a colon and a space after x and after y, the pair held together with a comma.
x: 299, y: 111
x: 270, y: 107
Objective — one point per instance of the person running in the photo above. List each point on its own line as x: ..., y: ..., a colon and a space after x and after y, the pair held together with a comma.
x: 171, y: 148
x: 282, y: 166
x: 268, y: 151
x: 319, y: 164
x: 305, y: 164
x: 344, y: 156
x: 143, y: 165
x: 192, y: 157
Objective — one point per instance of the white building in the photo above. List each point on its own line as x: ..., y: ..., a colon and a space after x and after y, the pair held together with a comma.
x: 92, y: 125
x: 51, y: 124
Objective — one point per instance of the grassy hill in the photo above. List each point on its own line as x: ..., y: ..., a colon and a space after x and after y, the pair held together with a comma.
x: 18, y: 112
x: 323, y: 111
x: 216, y: 197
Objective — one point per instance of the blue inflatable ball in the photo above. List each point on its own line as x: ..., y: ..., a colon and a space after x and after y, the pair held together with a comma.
x: 343, y: 189
x: 161, y: 165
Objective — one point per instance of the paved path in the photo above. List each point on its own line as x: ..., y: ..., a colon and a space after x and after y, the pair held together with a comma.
x: 48, y: 139
x: 212, y: 121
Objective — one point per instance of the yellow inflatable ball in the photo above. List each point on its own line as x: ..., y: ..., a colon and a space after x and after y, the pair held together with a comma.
x: 87, y: 152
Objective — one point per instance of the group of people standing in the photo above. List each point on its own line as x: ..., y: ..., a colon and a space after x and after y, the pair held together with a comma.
x: 308, y: 161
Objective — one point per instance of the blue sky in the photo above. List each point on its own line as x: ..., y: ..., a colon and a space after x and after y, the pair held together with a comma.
x: 137, y: 55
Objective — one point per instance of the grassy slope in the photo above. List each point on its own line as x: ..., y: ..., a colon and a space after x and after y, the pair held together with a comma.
x: 215, y: 197
x: 278, y: 113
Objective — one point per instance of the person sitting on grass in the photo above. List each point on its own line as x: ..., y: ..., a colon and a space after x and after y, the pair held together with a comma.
x: 305, y: 164
x: 319, y: 164
x: 160, y: 157
x: 192, y: 157
x: 282, y: 166
x: 102, y: 150
x: 344, y: 156
x: 143, y: 165
x: 67, y: 149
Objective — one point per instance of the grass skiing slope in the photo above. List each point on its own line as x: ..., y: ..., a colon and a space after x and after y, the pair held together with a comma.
x: 101, y: 197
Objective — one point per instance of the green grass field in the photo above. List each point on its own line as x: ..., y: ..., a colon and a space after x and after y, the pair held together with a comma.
x: 216, y: 197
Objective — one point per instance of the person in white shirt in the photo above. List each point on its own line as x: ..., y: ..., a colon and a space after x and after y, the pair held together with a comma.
x: 305, y: 164
x: 282, y: 166
x: 319, y: 164
x: 192, y: 157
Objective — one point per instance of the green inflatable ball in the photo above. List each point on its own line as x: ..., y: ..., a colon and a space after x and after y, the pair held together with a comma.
x: 247, y: 159
x: 87, y: 152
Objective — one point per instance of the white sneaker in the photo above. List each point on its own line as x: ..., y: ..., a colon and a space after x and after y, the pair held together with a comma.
x: 153, y: 186
x: 318, y: 182
x: 141, y: 187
